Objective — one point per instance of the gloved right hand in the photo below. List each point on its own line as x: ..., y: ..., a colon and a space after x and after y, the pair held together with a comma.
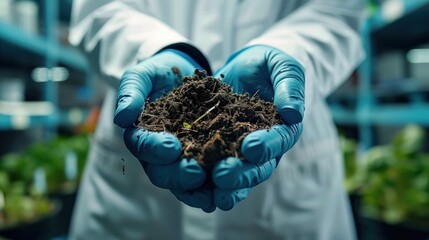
x: 159, y: 152
x: 274, y: 76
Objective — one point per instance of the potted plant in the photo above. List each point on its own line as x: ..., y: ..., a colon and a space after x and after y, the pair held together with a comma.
x: 23, y: 214
x: 62, y: 161
x: 393, y: 182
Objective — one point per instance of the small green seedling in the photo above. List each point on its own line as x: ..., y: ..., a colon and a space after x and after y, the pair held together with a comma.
x: 186, y: 125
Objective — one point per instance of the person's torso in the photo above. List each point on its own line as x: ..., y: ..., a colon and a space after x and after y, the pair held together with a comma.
x: 218, y: 28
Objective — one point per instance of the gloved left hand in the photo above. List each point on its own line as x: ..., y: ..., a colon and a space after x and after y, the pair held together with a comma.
x: 159, y: 152
x: 274, y: 76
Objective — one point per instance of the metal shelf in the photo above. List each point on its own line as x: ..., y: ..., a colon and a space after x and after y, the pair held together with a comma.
x: 343, y: 116
x: 24, y: 115
x: 383, y: 115
x: 400, y: 114
x: 18, y: 47
x: 12, y: 37
x: 404, y: 31
x: 371, y: 104
x: 8, y: 122
x: 408, y: 8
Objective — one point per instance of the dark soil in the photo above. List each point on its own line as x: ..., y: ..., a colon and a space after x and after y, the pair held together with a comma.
x: 224, y: 118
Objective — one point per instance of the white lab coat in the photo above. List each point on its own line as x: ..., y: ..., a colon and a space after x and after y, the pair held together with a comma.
x: 303, y: 199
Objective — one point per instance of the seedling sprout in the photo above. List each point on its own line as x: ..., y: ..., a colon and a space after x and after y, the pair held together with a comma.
x: 188, y: 126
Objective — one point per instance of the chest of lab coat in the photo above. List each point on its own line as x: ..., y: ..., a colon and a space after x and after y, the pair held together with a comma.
x: 219, y: 27
x: 303, y: 199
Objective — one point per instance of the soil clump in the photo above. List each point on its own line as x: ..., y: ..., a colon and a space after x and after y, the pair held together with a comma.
x: 208, y: 118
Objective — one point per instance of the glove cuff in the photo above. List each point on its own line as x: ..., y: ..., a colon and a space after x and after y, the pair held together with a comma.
x: 192, y: 54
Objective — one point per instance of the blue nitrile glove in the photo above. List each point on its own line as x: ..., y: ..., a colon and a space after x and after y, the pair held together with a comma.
x: 274, y: 76
x: 159, y: 152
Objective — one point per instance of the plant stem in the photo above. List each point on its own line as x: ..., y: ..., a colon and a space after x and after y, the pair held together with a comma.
x: 254, y: 94
x: 208, y: 111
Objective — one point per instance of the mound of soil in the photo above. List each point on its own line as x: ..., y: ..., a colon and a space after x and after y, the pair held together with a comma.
x: 208, y: 118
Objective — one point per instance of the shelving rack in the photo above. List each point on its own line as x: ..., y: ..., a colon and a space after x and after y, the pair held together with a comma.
x: 402, y: 32
x: 44, y: 50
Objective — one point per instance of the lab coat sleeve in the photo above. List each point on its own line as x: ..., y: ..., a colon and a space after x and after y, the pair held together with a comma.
x: 117, y: 34
x: 324, y: 36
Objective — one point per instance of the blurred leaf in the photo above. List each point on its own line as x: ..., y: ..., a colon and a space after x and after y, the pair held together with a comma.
x: 4, y: 182
x: 349, y: 147
x: 393, y: 215
x: 409, y: 140
x: 22, y: 209
x: 379, y: 158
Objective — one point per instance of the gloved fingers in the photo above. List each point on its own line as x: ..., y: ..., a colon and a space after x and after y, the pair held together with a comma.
x: 200, y: 198
x: 135, y: 86
x: 227, y: 199
x: 245, y: 78
x: 288, y: 83
x: 209, y: 209
x: 233, y: 173
x: 225, y: 75
x: 152, y: 147
x: 182, y: 175
x: 262, y: 145
x: 220, y: 73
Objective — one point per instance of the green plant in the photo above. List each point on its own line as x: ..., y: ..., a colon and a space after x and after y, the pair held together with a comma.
x: 349, y: 149
x: 50, y: 156
x: 394, y: 179
x: 20, y: 200
x: 17, y: 206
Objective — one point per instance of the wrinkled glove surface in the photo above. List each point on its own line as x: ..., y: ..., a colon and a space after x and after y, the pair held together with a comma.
x: 159, y: 152
x: 274, y: 76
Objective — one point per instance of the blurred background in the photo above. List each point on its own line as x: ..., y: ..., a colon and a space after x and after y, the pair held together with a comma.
x: 49, y: 106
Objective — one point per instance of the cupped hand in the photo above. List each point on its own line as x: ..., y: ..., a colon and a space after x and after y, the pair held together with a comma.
x: 159, y: 152
x: 273, y: 76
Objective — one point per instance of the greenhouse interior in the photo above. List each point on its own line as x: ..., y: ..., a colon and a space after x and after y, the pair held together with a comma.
x: 53, y: 100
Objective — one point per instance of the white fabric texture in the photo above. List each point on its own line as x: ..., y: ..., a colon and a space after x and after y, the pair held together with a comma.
x: 303, y: 199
